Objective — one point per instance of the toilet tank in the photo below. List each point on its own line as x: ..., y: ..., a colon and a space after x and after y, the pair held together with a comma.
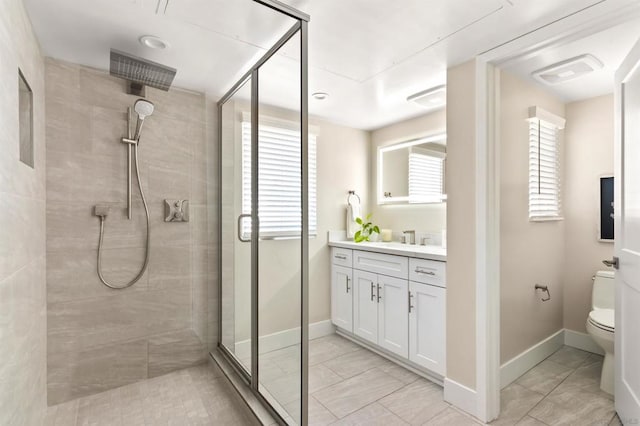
x: 603, y: 295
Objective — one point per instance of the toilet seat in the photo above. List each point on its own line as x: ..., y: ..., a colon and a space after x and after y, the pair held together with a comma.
x: 603, y: 319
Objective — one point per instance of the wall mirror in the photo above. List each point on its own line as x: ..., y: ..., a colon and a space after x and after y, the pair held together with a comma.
x: 412, y: 172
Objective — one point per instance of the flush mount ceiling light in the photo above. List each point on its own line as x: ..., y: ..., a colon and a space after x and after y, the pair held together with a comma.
x: 153, y: 42
x: 433, y: 98
x: 321, y: 96
x: 567, y: 70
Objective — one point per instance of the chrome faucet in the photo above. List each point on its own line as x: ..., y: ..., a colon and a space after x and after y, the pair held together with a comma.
x: 412, y: 236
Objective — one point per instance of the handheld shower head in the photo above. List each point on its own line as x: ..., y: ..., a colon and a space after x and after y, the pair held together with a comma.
x: 143, y: 108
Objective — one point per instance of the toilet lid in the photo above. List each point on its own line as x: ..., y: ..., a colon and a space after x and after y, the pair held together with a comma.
x: 603, y: 318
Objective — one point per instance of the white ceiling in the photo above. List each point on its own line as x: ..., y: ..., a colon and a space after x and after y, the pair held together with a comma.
x: 369, y: 55
x: 610, y: 46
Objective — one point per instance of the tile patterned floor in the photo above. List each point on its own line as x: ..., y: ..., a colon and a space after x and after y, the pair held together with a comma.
x: 199, y: 395
x: 564, y: 389
x: 349, y: 385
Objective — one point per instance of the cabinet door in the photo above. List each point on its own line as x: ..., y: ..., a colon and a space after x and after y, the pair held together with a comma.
x: 427, y: 326
x: 393, y: 315
x: 365, y: 305
x: 342, y: 297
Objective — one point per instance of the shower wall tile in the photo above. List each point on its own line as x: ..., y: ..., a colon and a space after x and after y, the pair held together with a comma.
x: 170, y: 268
x: 20, y: 217
x: 75, y: 374
x: 23, y: 350
x: 71, y: 225
x: 173, y: 351
x: 22, y: 228
x: 167, y: 181
x: 71, y: 274
x: 86, y: 177
x: 88, y: 323
x: 169, y: 310
x: 69, y: 130
x: 98, y: 88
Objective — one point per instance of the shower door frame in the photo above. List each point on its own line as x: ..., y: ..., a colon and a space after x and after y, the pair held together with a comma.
x: 252, y: 379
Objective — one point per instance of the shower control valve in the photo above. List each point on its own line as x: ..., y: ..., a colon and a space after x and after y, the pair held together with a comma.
x: 176, y: 210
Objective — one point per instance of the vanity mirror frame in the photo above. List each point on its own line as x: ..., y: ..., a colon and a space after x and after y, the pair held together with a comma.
x: 385, y: 200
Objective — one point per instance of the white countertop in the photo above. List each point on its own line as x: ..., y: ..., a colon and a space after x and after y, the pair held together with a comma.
x: 422, y: 252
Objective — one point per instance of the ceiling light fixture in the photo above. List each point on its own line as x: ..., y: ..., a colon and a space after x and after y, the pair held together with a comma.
x: 321, y: 96
x: 570, y: 69
x: 431, y: 98
x: 153, y: 42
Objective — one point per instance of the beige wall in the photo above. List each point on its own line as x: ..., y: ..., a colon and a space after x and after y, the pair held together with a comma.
x: 101, y: 338
x: 423, y: 217
x: 461, y: 254
x: 589, y: 154
x: 531, y: 252
x: 22, y: 229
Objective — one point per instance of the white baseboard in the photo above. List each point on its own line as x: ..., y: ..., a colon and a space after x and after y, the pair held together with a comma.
x: 528, y: 359
x: 282, y: 339
x: 520, y: 364
x: 460, y: 396
x: 582, y: 341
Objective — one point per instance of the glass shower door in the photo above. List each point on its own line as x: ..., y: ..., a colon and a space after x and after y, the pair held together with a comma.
x: 264, y: 231
x: 279, y: 248
x: 235, y: 241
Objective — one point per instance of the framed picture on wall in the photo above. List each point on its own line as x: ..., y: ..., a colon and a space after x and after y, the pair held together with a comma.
x: 605, y: 224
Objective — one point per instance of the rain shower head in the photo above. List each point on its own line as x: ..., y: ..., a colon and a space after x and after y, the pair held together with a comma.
x: 143, y: 108
x: 142, y: 71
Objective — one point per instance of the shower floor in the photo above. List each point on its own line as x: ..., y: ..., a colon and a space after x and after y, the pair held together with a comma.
x: 198, y: 395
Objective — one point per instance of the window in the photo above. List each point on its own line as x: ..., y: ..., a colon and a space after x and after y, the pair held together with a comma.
x: 279, y: 195
x: 545, y: 201
x: 426, y: 176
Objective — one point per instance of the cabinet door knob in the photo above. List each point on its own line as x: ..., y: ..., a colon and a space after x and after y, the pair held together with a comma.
x: 379, y: 297
x: 410, y: 305
x: 340, y: 256
x: 348, y: 285
x: 372, y: 295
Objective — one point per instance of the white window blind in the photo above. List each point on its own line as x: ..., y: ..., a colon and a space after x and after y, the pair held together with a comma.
x: 279, y: 190
x: 426, y: 176
x: 544, y: 170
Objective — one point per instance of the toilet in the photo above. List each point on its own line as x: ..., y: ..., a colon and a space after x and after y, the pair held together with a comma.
x: 600, y: 324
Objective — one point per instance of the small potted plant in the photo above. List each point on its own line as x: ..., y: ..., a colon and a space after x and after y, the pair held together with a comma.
x: 367, y: 229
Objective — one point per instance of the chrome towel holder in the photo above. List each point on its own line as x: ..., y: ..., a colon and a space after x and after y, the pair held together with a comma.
x: 351, y: 194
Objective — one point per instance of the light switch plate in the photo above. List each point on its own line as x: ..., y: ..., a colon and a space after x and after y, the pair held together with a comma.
x: 176, y: 210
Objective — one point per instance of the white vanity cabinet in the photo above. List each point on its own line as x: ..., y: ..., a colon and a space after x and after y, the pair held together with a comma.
x: 342, y: 297
x: 395, y: 303
x: 427, y: 326
x: 393, y: 310
x: 342, y: 288
x: 365, y: 309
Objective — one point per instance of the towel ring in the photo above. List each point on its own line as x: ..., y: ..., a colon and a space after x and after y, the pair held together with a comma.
x: 352, y: 192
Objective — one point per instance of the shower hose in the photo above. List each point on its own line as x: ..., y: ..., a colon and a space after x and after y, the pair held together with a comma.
x: 146, y: 255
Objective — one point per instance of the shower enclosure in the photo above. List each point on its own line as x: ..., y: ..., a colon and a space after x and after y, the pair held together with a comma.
x: 264, y: 199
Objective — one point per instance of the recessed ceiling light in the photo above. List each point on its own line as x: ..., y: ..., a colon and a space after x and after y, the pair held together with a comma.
x: 153, y: 42
x: 567, y: 70
x: 431, y: 98
x: 321, y: 96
